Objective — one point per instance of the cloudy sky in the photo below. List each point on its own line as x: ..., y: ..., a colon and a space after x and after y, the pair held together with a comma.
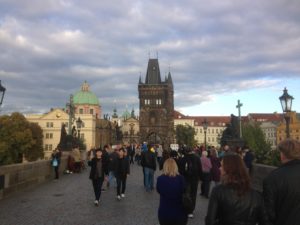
x: 217, y: 52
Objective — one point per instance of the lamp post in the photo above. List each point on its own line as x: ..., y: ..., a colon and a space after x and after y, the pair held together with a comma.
x: 2, y: 92
x: 79, y: 124
x: 286, y: 101
x: 205, y: 125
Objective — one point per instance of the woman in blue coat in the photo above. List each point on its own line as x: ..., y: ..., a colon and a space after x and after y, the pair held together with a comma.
x: 170, y: 187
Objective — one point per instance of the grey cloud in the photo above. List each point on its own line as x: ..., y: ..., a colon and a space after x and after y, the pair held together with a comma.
x: 212, y: 47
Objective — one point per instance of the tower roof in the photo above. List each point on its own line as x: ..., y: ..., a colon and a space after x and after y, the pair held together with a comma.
x: 153, y: 72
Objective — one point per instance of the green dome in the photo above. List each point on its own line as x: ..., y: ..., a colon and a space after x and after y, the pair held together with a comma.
x: 85, y: 96
x: 126, y: 114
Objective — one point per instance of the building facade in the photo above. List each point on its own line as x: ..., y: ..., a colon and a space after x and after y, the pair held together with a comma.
x: 52, y: 122
x: 87, y: 107
x: 156, y: 101
x: 215, y: 128
x: 294, y: 127
x: 270, y: 131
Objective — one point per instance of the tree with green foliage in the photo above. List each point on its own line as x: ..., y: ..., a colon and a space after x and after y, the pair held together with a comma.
x: 19, y: 138
x: 185, y: 134
x: 256, y: 141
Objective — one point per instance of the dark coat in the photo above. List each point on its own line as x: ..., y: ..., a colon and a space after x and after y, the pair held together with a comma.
x: 248, y: 159
x: 195, y: 172
x: 215, y: 170
x: 112, y: 161
x: 148, y: 159
x: 122, y: 167
x: 93, y: 164
x: 171, y: 190
x: 227, y: 208
x: 281, y: 191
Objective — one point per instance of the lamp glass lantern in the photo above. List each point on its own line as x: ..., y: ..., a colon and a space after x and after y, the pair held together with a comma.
x: 205, y: 124
x: 2, y: 92
x: 286, y: 101
x: 79, y: 123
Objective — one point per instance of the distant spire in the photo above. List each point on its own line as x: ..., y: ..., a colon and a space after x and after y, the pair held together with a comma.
x: 140, y: 80
x: 170, y: 80
x: 132, y: 113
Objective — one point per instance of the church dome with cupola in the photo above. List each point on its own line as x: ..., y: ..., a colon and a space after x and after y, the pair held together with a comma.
x: 85, y: 96
x: 86, y: 102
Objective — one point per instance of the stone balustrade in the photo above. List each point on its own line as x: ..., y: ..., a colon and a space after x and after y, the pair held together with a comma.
x: 17, y: 177
x: 259, y: 172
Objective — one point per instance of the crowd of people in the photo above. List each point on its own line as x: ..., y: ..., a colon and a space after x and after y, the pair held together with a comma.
x: 225, y: 177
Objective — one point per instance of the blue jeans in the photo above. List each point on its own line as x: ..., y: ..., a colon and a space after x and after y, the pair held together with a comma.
x: 149, y: 177
x: 112, y: 178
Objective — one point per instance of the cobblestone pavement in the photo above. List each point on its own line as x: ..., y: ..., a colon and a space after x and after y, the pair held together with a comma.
x: 70, y: 201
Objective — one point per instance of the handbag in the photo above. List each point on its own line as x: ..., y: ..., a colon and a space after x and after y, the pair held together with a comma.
x: 54, y: 162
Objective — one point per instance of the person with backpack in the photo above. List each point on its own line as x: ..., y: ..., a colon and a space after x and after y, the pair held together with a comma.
x: 55, y: 161
x: 190, y: 168
x: 148, y: 162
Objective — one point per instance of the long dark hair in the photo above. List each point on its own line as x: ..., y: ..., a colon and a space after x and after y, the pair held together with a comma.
x: 236, y: 174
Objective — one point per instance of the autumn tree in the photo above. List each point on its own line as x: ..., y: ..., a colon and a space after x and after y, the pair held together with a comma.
x: 255, y: 139
x: 19, y: 138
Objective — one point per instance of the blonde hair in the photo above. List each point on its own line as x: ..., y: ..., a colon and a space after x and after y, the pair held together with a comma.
x: 170, y: 168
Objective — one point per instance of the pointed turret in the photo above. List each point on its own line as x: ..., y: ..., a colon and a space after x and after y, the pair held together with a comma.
x: 153, y: 72
x: 132, y: 113
x: 170, y: 81
x: 140, y: 80
x: 115, y: 115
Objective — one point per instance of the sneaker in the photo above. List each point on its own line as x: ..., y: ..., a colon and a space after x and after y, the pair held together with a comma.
x: 119, y: 197
x: 96, y: 202
x: 191, y: 216
x: 123, y: 195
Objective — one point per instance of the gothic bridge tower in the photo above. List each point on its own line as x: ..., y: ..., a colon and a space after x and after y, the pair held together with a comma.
x: 156, y: 107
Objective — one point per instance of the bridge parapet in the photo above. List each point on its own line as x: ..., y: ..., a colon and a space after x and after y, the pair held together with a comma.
x: 17, y: 177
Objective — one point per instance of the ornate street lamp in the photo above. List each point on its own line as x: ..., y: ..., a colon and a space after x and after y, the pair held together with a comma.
x: 2, y: 92
x: 79, y: 124
x: 286, y: 101
x: 205, y: 125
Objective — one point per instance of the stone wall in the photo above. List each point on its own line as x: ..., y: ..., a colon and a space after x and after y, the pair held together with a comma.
x: 21, y: 176
x: 259, y: 172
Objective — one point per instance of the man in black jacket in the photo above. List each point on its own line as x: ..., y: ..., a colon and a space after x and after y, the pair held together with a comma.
x: 190, y: 167
x: 148, y: 162
x: 281, y: 189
